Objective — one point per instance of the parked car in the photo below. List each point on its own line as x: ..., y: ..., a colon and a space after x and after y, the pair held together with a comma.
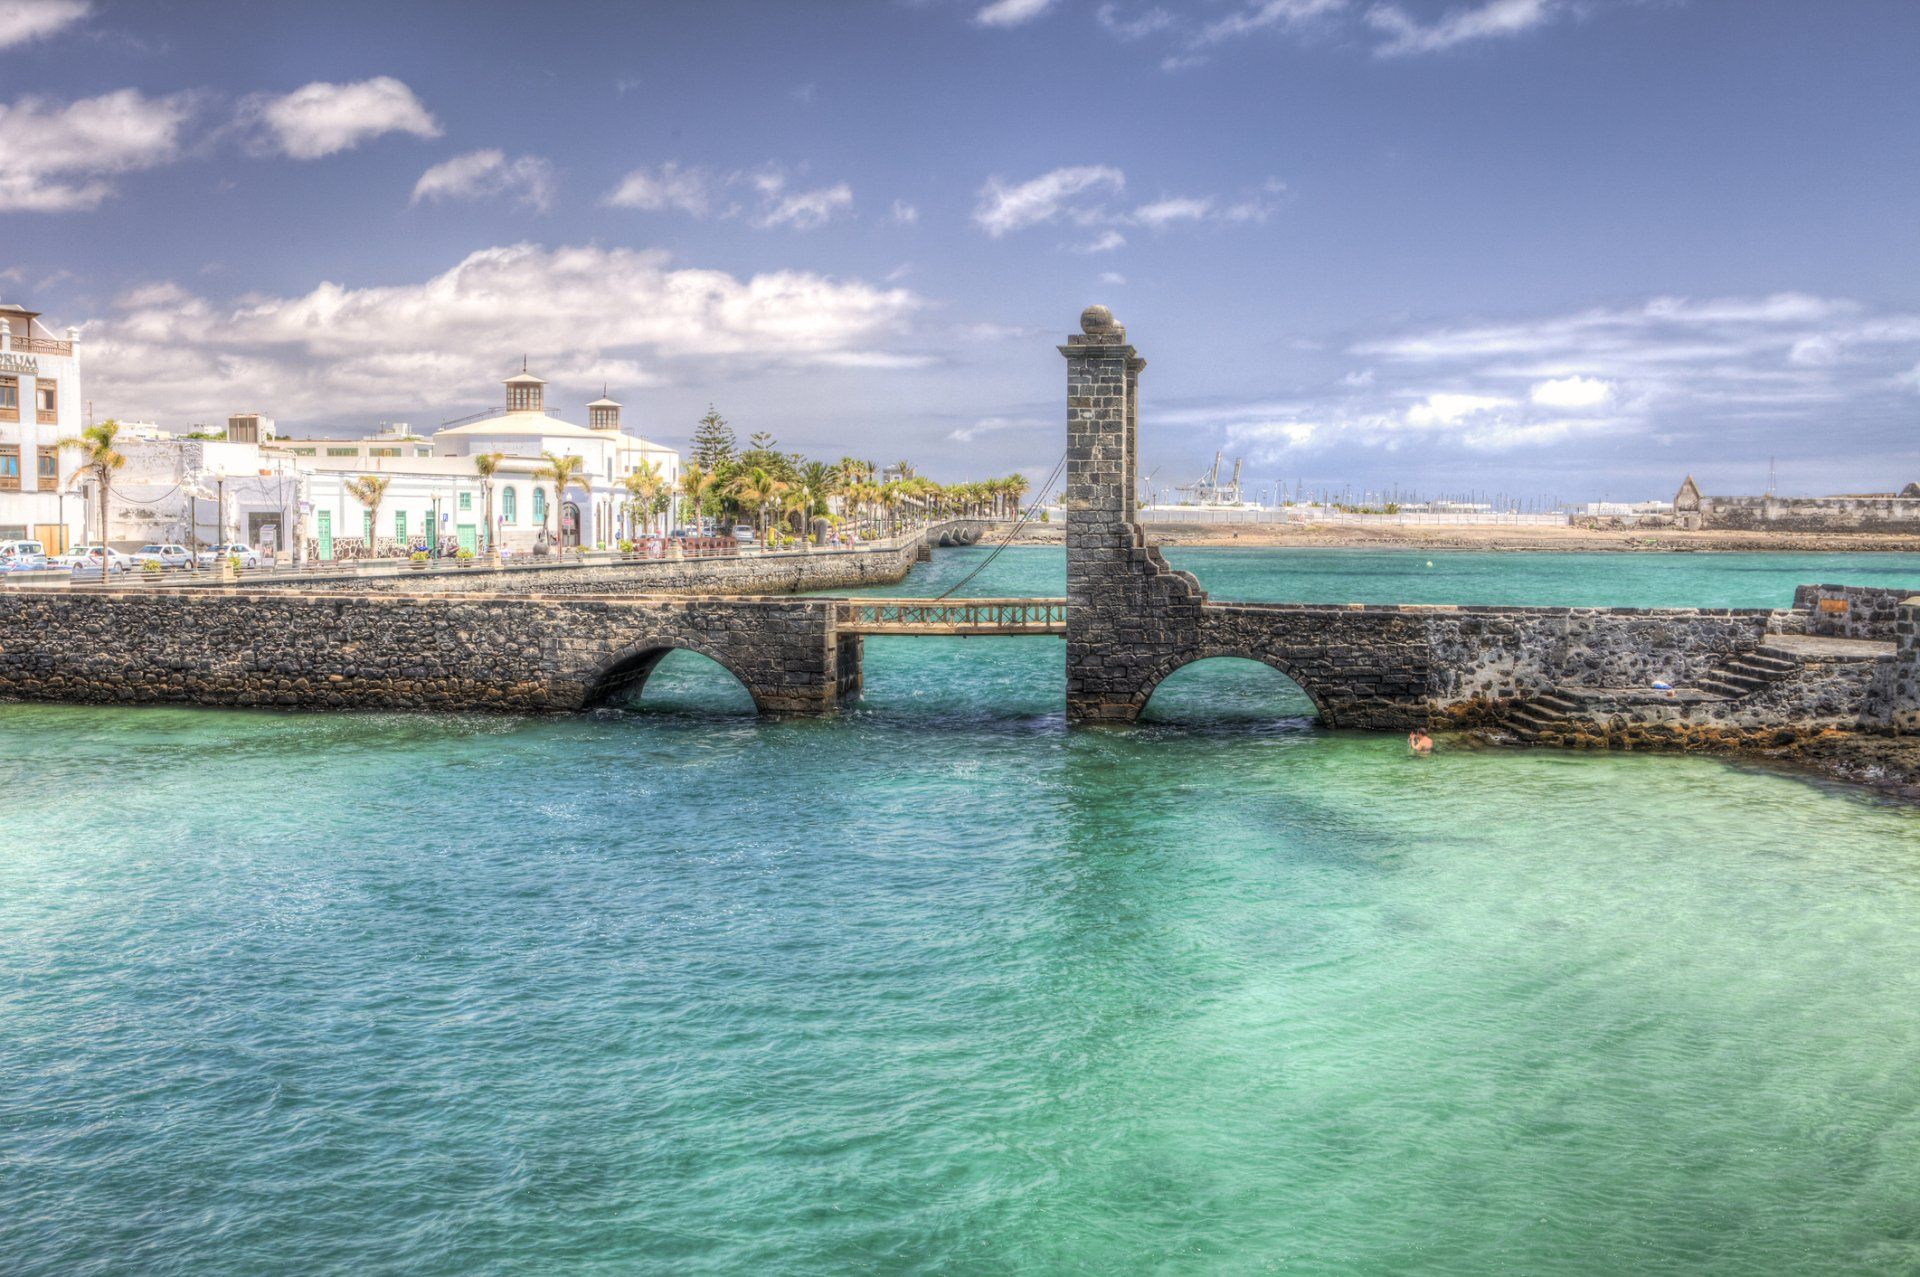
x: 167, y: 555
x: 84, y: 557
x: 22, y: 556
x: 744, y: 535
x: 220, y: 553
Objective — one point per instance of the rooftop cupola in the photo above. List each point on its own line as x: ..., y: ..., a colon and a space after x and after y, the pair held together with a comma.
x: 603, y: 413
x: 526, y: 392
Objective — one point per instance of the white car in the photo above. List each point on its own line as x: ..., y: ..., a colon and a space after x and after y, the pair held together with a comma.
x: 167, y: 555
x: 87, y: 557
x: 22, y: 556
x: 220, y: 553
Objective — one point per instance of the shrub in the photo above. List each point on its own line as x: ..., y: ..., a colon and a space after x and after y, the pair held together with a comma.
x: 419, y: 556
x: 626, y: 547
x: 1043, y: 517
x: 151, y: 567
x: 464, y: 555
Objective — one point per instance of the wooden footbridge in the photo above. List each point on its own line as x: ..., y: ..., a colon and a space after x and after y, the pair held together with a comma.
x: 966, y: 618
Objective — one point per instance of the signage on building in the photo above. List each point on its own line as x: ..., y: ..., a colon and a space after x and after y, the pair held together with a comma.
x: 10, y: 362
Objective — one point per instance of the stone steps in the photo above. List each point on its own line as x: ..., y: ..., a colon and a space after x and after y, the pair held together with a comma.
x: 1745, y: 675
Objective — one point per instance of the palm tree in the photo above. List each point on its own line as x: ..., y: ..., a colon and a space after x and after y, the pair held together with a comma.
x: 370, y: 490
x: 487, y: 463
x: 757, y: 488
x: 694, y: 484
x: 97, y: 454
x: 891, y: 495
x: 566, y: 472
x: 1017, y: 486
x: 644, y: 487
x: 798, y: 499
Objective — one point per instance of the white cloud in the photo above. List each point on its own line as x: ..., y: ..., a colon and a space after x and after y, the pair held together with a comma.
x: 1011, y: 13
x: 1494, y: 18
x: 24, y: 20
x: 483, y: 174
x: 1112, y: 277
x: 441, y: 343
x: 1571, y: 393
x: 1004, y: 208
x: 1135, y: 26
x: 1182, y: 209
x: 321, y: 119
x: 1105, y: 242
x: 668, y: 187
x: 1262, y: 16
x: 1450, y: 409
x: 904, y: 213
x: 999, y: 425
x: 698, y: 192
x: 805, y: 210
x: 61, y: 158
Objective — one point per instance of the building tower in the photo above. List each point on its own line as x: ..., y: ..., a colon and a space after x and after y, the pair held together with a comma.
x: 526, y: 392
x: 603, y: 413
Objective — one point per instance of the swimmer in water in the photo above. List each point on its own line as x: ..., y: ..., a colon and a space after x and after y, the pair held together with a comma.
x: 1419, y: 742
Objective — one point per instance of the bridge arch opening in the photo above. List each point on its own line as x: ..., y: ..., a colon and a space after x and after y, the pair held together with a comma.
x: 668, y: 678
x: 1227, y: 690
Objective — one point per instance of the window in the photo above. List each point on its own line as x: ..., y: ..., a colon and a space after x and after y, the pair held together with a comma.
x: 9, y: 467
x: 46, y: 398
x: 383, y: 452
x: 47, y: 465
x: 343, y: 452
x: 400, y: 526
x: 301, y: 452
x: 509, y: 506
x: 539, y: 505
x: 9, y: 399
x: 466, y: 501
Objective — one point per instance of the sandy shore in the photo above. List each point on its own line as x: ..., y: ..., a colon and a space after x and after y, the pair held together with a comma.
x: 1468, y: 537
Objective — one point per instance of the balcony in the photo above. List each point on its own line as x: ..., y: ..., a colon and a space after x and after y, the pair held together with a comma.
x: 47, y: 416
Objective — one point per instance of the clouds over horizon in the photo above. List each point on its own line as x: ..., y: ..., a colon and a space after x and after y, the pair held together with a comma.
x: 584, y: 313
x: 1192, y: 40
x: 1672, y: 372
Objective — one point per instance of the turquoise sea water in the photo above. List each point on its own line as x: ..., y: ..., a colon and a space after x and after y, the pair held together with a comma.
x: 938, y: 987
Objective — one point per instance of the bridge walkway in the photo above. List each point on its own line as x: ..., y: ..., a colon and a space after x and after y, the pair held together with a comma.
x: 962, y: 617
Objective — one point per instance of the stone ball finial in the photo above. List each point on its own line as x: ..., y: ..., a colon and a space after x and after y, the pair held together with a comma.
x: 1096, y: 319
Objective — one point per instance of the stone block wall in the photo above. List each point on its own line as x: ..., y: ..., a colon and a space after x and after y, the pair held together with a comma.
x: 1850, y: 611
x: 391, y: 651
x: 1897, y: 515
x: 1904, y: 700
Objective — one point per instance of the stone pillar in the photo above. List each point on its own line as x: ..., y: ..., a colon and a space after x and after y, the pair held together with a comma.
x: 1127, y: 611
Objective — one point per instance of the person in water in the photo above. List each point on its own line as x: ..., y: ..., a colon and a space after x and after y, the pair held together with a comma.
x: 1419, y: 742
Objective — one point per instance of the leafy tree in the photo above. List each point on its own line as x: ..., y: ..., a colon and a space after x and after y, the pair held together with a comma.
x: 645, y: 487
x: 758, y: 490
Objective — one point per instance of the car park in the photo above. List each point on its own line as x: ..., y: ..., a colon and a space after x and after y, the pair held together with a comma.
x: 166, y: 554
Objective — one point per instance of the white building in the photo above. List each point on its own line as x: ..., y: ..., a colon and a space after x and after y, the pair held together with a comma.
x: 40, y: 404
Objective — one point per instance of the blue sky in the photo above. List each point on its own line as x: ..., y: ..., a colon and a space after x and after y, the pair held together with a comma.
x: 1521, y: 246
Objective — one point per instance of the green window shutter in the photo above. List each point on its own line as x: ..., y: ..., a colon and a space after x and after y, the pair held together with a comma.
x: 400, y: 526
x: 466, y: 501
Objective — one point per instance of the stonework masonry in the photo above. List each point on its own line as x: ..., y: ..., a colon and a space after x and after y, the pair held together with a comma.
x: 416, y: 652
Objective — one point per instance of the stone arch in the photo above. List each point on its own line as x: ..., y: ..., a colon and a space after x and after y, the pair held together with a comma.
x: 1181, y: 660
x: 631, y: 667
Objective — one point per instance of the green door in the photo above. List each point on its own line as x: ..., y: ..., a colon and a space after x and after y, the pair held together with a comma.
x: 469, y: 535
x: 433, y: 537
x: 326, y: 534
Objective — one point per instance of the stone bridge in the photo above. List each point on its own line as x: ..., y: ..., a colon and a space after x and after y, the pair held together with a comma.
x: 571, y: 637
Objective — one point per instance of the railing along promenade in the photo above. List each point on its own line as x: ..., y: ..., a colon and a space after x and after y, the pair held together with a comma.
x: 964, y: 617
x: 706, y: 548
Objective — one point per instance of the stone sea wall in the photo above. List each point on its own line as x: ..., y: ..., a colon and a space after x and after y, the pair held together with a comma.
x: 392, y: 651
x: 1812, y: 514
x: 1850, y: 611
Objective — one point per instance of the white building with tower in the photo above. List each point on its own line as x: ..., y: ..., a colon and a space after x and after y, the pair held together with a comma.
x: 40, y: 404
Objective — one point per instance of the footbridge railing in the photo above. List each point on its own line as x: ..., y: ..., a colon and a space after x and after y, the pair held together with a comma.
x: 951, y: 616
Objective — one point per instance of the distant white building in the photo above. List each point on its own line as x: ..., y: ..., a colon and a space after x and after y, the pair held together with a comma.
x: 40, y: 404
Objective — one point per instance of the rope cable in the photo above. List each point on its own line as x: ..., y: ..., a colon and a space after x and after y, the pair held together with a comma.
x: 1022, y: 522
